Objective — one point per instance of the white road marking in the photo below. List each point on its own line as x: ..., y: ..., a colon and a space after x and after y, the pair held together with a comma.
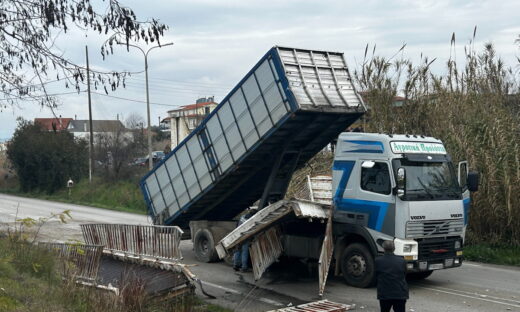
x: 487, y: 267
x: 476, y: 294
x: 236, y: 292
x: 472, y: 297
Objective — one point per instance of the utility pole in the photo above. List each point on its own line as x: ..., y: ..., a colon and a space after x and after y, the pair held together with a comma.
x: 149, y: 130
x: 91, y: 143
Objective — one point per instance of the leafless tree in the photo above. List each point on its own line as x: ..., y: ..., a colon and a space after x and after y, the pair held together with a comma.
x: 29, y: 59
x: 116, y: 149
x: 134, y: 121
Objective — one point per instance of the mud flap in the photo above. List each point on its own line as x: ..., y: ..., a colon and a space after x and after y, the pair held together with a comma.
x: 326, y: 255
x: 265, y: 249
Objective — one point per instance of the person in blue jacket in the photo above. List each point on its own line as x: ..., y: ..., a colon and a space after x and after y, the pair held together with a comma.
x: 241, y: 256
x: 392, y: 288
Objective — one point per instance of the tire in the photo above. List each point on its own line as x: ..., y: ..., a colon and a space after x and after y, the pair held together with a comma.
x: 417, y: 276
x: 228, y: 259
x: 204, y: 246
x: 357, y: 266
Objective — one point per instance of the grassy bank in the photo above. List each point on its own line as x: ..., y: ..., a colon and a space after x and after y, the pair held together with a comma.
x: 495, y: 254
x: 120, y: 195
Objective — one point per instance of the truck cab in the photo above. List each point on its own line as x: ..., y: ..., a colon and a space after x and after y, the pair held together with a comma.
x: 403, y: 188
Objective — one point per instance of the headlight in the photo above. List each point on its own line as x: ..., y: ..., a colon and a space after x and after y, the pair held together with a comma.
x: 457, y: 244
x: 407, y: 248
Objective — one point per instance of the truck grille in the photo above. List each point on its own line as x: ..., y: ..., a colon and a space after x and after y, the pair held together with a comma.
x: 436, y: 248
x: 434, y: 228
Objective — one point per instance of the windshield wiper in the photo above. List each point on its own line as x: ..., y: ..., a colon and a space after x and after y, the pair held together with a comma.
x: 419, y: 195
x: 450, y: 191
x: 425, y: 188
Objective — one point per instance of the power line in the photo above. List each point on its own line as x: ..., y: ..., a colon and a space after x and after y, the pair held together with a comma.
x: 170, y: 90
x: 217, y: 85
x: 31, y: 97
x: 94, y: 92
x: 132, y: 100
x: 178, y: 87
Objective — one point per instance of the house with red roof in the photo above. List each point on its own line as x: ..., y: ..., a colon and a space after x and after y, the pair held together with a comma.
x: 53, y: 124
x: 186, y: 118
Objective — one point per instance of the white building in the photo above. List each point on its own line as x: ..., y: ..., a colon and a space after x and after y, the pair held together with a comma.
x: 102, y: 129
x: 186, y: 118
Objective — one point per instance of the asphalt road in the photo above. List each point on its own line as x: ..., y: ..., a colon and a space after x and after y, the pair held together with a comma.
x: 472, y: 287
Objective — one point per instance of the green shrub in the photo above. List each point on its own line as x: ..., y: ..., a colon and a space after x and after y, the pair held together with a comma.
x: 45, y: 160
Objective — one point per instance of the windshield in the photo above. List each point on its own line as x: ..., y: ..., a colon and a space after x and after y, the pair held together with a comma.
x: 429, y: 180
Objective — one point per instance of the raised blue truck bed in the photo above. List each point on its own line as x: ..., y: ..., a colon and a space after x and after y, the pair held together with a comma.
x: 290, y: 105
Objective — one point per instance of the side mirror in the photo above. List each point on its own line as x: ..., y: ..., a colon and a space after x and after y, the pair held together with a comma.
x: 473, y: 180
x: 463, y: 174
x: 401, y: 182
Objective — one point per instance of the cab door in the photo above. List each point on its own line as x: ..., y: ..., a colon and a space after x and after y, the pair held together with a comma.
x: 367, y: 199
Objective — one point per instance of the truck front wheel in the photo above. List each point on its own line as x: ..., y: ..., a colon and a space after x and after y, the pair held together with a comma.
x: 357, y: 265
x: 204, y: 246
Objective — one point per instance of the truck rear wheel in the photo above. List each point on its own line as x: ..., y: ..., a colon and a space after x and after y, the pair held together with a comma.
x: 204, y: 246
x: 357, y: 266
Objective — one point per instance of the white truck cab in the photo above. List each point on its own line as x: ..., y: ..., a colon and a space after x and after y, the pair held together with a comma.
x: 403, y: 188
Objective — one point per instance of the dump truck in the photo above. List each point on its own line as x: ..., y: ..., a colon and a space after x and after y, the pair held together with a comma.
x: 286, y: 109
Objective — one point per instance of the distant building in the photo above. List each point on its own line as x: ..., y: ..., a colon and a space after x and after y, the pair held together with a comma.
x: 107, y: 128
x: 53, y: 124
x: 186, y: 118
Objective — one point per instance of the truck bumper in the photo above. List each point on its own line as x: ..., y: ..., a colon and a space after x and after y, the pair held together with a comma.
x: 434, y: 264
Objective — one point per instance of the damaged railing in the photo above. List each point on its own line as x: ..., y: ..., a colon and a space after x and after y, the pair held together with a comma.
x: 79, y: 260
x: 265, y: 249
x: 142, y: 240
x: 327, y: 250
x: 152, y: 251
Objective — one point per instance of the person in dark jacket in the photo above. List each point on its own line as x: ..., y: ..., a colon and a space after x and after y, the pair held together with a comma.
x: 241, y: 256
x: 392, y: 289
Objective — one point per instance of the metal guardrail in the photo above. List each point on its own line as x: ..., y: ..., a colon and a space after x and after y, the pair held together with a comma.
x: 139, y: 240
x: 79, y: 260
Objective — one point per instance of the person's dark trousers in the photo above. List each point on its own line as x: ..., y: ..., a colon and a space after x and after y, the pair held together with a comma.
x: 397, y: 304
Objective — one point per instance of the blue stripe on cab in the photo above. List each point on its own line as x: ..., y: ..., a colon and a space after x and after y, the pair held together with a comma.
x: 467, y: 203
x: 376, y: 210
x: 345, y: 166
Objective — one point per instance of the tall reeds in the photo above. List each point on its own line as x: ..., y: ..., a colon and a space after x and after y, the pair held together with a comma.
x: 474, y: 108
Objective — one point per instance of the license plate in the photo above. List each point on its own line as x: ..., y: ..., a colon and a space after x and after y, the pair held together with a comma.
x: 435, y: 266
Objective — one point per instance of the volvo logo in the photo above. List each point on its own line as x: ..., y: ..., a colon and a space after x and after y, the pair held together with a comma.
x: 439, y: 227
x: 456, y: 215
x: 418, y: 217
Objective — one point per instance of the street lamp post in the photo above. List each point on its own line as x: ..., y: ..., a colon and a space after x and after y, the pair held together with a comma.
x: 149, y: 130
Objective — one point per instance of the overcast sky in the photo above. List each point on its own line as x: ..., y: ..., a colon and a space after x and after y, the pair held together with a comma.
x: 217, y: 42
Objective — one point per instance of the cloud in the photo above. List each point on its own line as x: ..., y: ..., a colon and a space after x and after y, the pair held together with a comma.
x: 217, y: 42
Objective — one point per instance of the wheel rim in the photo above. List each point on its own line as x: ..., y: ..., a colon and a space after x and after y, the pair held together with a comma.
x: 204, y: 248
x: 356, y: 266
